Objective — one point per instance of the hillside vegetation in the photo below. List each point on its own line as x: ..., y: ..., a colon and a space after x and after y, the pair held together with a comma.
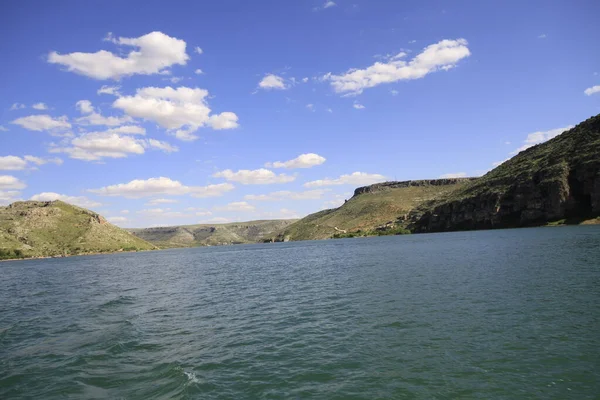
x: 211, y: 234
x: 376, y: 208
x: 556, y: 180
x: 55, y: 228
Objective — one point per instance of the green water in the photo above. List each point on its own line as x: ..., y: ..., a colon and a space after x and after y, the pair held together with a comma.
x: 489, y: 315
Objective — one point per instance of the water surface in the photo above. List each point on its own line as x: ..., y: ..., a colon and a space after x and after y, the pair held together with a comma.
x: 492, y: 315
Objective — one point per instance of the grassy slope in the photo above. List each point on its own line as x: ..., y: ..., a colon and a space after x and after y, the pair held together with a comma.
x: 365, y: 211
x: 211, y: 234
x: 543, y: 165
x: 58, y: 228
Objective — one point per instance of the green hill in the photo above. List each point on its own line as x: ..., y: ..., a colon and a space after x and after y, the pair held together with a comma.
x: 383, y: 207
x: 55, y: 228
x: 211, y: 234
x: 558, y: 180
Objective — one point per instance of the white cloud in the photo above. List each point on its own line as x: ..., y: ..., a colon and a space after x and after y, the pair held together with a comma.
x: 9, y: 196
x: 216, y: 220
x: 43, y: 122
x: 254, y: 177
x: 272, y: 82
x: 308, y: 160
x: 453, y: 175
x: 198, y: 71
x: 288, y: 195
x: 329, y: 110
x: 128, y: 130
x: 154, y: 202
x: 124, y: 211
x: 10, y: 182
x: 3, y: 129
x: 283, y: 213
x: 441, y: 55
x: 216, y: 190
x: 164, y: 146
x: 80, y: 201
x: 311, y: 107
x: 153, y: 53
x: 305, y: 80
x: 163, y: 213
x: 198, y: 50
x: 112, y: 90
x: 203, y: 213
x: 39, y: 106
x: 14, y: 163
x: 358, y: 106
x: 329, y: 4
x: 540, y: 137
x: 117, y: 220
x: 17, y: 106
x: 394, y: 92
x: 182, y: 110
x: 84, y: 106
x: 355, y: 178
x: 94, y: 146
x: 236, y: 207
x: 542, y: 36
x: 95, y: 118
x: 161, y: 186
x: 590, y: 91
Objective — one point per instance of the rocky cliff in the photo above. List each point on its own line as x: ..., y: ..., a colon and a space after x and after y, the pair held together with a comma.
x: 559, y: 179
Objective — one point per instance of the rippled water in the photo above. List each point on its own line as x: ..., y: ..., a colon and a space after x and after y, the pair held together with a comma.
x: 491, y: 315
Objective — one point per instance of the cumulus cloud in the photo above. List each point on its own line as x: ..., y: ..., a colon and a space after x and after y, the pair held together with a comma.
x: 111, y: 90
x: 329, y: 4
x: 39, y: 106
x: 92, y: 117
x: 9, y: 196
x: 94, y: 146
x: 17, y: 106
x: 10, y: 182
x: 182, y: 111
x: 540, y: 137
x: 164, y: 146
x: 236, y: 206
x: 442, y: 55
x: 272, y: 82
x: 288, y: 195
x: 254, y: 177
x: 307, y: 160
x: 80, y: 201
x: 454, y: 175
x: 358, y: 106
x: 161, y: 186
x: 590, y: 91
x: 198, y: 50
x: 117, y: 220
x: 152, y: 53
x: 14, y: 163
x: 282, y: 213
x: 198, y: 71
x: 355, y: 178
x: 163, y: 213
x: 3, y: 129
x: 154, y: 202
x: 43, y: 122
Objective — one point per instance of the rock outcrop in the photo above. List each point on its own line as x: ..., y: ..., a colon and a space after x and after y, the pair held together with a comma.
x: 556, y: 180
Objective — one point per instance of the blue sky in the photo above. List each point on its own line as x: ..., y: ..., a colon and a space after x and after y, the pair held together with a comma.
x: 155, y: 114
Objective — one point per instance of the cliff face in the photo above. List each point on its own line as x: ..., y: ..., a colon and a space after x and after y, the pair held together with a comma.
x: 559, y: 179
x: 374, y: 207
x: 380, y: 187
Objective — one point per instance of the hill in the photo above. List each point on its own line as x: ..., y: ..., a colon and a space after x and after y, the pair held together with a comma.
x: 55, y: 228
x: 382, y: 206
x: 558, y: 180
x: 211, y: 234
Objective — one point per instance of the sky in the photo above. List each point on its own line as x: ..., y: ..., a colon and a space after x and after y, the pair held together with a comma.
x: 155, y: 113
